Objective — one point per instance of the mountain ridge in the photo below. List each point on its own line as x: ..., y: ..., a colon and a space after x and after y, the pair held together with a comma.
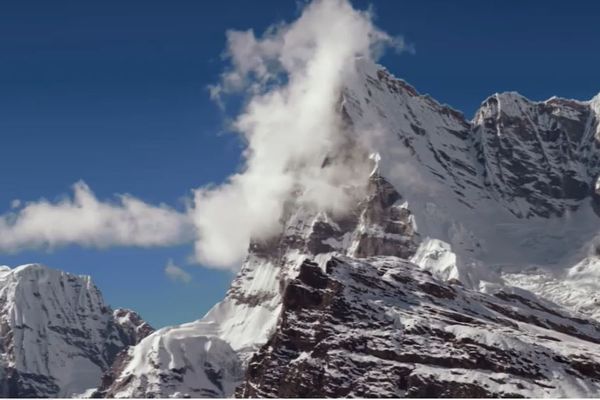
x: 480, y: 224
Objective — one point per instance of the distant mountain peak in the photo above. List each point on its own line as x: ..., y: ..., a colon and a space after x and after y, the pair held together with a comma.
x: 57, y: 334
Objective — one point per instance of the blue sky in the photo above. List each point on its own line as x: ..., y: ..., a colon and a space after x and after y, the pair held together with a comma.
x: 115, y: 93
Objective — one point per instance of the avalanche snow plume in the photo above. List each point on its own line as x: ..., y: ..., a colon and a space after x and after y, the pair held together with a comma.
x: 292, y: 126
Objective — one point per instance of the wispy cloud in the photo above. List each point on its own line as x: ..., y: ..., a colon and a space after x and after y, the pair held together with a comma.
x: 86, y: 221
x: 176, y: 273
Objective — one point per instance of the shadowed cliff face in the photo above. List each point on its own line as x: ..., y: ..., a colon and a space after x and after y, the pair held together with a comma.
x: 378, y: 224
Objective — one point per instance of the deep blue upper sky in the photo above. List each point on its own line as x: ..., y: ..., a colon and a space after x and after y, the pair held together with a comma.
x: 114, y: 93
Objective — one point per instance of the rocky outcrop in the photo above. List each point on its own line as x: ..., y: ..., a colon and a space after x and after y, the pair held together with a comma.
x: 379, y: 327
x: 386, y: 225
x: 131, y: 326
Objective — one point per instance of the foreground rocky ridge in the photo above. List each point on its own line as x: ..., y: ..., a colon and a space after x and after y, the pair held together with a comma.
x: 380, y: 327
x: 57, y: 336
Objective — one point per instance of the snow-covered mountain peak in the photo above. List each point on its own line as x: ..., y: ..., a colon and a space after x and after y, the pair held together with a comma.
x: 515, y: 105
x: 527, y: 168
x: 452, y: 208
x: 35, y: 271
x: 57, y: 334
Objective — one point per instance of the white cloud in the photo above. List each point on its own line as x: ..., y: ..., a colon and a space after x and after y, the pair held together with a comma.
x: 296, y: 143
x: 176, y: 273
x: 291, y: 124
x: 84, y: 220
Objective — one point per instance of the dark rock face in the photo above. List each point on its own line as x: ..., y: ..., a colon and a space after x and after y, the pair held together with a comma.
x: 381, y: 328
x: 386, y: 227
x: 111, y: 375
x: 378, y: 225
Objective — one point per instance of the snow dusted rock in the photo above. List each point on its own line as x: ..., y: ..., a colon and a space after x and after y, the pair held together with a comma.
x: 379, y: 327
x: 131, y: 326
x: 509, y: 192
x: 56, y: 334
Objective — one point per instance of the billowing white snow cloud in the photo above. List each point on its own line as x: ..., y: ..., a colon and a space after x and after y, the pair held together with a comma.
x: 84, y: 220
x: 293, y: 75
x: 176, y: 273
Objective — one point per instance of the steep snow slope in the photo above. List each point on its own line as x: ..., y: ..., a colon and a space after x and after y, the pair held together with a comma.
x: 507, y: 198
x: 57, y: 336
